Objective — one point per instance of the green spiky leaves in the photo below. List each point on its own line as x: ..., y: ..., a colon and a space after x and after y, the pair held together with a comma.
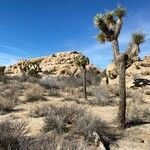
x: 82, y: 61
x: 99, y: 20
x: 101, y: 37
x: 120, y: 12
x: 110, y: 24
x: 138, y: 38
x: 109, y: 18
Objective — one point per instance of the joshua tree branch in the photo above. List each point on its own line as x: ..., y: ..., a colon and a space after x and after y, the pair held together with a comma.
x: 118, y: 27
x: 115, y: 46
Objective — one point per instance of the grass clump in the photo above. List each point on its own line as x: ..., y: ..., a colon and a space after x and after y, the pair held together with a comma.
x: 60, y: 118
x: 78, y: 120
x: 40, y: 110
x: 49, y: 82
x: 34, y: 93
x: 101, y: 97
x: 6, y: 104
x: 8, y: 97
x: 12, y: 134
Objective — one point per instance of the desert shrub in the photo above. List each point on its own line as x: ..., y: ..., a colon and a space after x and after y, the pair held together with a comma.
x: 40, y: 110
x: 46, y: 141
x: 7, y: 104
x: 59, y: 118
x: 53, y: 141
x: 88, y: 124
x: 53, y: 92
x: 4, y: 79
x: 80, y: 121
x: 72, y: 98
x: 8, y: 97
x: 73, y: 142
x: 137, y: 97
x: 71, y: 82
x: 101, y: 97
x: 137, y: 111
x: 34, y: 93
x: 93, y: 79
x: 12, y: 134
x: 114, y: 89
x: 138, y: 115
x: 49, y: 82
x: 12, y: 90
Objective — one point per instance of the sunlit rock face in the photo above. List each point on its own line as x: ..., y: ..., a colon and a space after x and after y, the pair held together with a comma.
x: 63, y: 63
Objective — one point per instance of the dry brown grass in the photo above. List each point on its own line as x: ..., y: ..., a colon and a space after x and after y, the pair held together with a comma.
x: 6, y: 104
x: 12, y: 134
x: 34, y: 92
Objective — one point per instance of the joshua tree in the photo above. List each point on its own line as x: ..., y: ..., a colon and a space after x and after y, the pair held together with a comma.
x: 83, y: 62
x: 110, y: 25
x: 31, y: 69
x: 2, y: 70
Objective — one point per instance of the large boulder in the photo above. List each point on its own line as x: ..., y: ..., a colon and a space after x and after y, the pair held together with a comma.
x: 112, y: 71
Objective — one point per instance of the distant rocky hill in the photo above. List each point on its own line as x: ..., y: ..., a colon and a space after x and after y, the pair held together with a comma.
x: 62, y: 63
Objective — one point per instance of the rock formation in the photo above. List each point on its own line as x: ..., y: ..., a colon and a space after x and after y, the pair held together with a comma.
x: 62, y: 63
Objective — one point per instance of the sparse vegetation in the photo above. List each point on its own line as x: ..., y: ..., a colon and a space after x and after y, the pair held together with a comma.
x: 101, y: 97
x: 59, y: 102
x: 34, y: 93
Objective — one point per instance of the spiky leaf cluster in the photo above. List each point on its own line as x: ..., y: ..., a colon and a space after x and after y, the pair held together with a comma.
x: 138, y: 38
x: 120, y: 12
x: 101, y: 37
x: 109, y: 18
x: 82, y: 62
x: 107, y: 23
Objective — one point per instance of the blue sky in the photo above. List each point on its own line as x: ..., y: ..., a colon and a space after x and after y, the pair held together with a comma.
x: 32, y: 28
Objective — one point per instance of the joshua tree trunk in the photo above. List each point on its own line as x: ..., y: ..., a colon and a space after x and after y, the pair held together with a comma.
x: 107, y: 80
x: 115, y: 46
x: 84, y: 84
x: 122, y: 93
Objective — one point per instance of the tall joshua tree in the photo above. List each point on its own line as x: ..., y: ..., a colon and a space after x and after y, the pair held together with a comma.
x: 83, y: 62
x: 110, y: 25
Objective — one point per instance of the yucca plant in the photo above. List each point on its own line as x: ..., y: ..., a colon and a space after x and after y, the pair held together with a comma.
x: 83, y: 62
x: 2, y: 70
